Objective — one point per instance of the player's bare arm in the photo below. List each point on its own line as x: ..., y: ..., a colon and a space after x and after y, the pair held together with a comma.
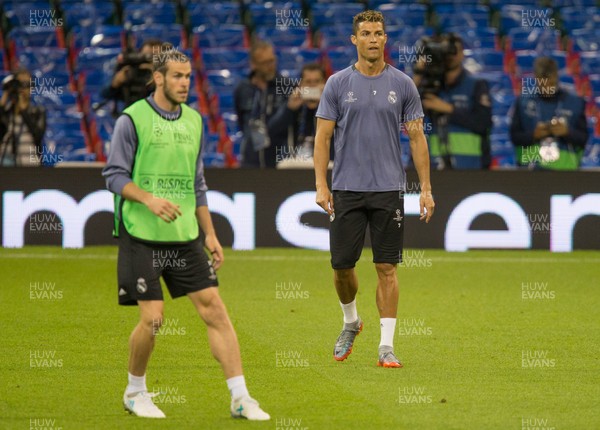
x: 321, y: 158
x: 211, y: 242
x: 162, y: 208
x: 420, y: 154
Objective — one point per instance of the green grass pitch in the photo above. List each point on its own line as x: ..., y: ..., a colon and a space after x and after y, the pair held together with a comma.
x: 489, y: 340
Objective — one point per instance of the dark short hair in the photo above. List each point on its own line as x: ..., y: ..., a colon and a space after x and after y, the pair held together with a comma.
x: 167, y: 53
x: 259, y: 45
x: 308, y: 67
x: 367, y: 16
x: 545, y: 67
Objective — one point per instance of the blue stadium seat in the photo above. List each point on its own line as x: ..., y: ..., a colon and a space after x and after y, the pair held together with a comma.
x: 226, y: 35
x: 472, y: 16
x: 342, y: 57
x: 590, y: 62
x: 295, y: 58
x: 331, y: 13
x: 97, y: 59
x: 513, y: 16
x: 235, y: 59
x: 476, y: 38
x: 290, y: 36
x: 275, y: 14
x: 595, y: 83
x: 37, y: 37
x: 412, y: 15
x: 43, y: 59
x: 536, y: 39
x: 587, y: 39
x: 88, y: 14
x: 149, y: 13
x: 214, y: 13
x: 104, y: 36
x: 34, y: 14
x: 171, y: 33
x: 487, y: 60
x: 525, y: 61
x: 222, y: 81
x: 573, y: 18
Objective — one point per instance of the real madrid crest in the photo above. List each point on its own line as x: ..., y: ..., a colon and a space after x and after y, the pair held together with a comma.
x: 392, y: 98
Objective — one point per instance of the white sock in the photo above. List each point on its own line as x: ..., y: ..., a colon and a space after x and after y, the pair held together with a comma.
x: 136, y: 384
x: 350, y: 314
x: 388, y: 327
x: 237, y: 387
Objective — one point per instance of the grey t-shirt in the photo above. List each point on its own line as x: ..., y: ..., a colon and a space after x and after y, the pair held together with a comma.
x: 369, y: 112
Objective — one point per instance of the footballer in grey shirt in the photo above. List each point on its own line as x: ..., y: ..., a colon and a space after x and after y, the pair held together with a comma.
x: 363, y: 109
x: 368, y: 112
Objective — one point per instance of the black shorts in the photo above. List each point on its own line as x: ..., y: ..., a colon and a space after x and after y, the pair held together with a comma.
x: 382, y: 211
x: 185, y: 268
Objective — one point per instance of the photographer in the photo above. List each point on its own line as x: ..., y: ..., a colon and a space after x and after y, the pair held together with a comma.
x: 132, y: 79
x: 457, y: 104
x: 22, y: 125
x: 549, y: 128
x: 297, y: 117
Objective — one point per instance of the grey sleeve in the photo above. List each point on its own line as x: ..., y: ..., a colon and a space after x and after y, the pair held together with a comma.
x: 412, y: 108
x: 200, y: 183
x: 117, y: 172
x: 328, y: 106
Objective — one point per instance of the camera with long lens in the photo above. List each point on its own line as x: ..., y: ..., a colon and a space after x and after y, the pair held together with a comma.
x: 434, y: 53
x: 12, y: 85
x: 138, y: 75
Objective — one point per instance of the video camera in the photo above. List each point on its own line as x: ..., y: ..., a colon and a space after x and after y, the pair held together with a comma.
x: 138, y: 75
x: 435, y: 51
x: 12, y: 85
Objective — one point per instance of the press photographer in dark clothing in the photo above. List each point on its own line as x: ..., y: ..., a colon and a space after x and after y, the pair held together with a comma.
x: 132, y: 79
x: 22, y: 125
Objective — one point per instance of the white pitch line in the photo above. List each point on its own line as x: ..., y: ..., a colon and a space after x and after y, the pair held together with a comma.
x: 229, y: 257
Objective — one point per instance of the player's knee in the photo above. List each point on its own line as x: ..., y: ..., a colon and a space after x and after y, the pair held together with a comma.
x: 153, y: 321
x: 214, y: 312
x: 344, y: 275
x: 386, y: 271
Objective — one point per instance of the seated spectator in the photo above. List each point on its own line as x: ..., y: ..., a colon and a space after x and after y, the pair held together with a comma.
x: 22, y: 125
x: 549, y: 128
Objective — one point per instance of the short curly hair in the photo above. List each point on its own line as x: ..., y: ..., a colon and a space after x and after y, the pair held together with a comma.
x: 367, y: 16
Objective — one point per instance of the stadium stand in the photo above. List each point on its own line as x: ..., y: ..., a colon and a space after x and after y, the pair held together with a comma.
x: 72, y: 45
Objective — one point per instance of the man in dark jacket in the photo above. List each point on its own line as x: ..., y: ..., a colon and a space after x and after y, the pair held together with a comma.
x: 22, y: 125
x: 257, y: 99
